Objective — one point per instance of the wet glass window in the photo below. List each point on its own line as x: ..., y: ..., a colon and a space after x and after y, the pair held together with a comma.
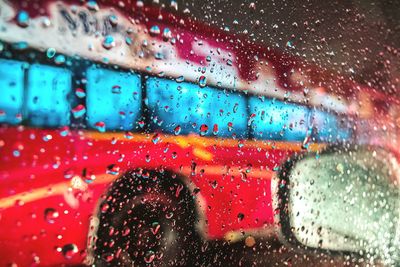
x: 187, y: 108
x: 276, y: 120
x: 113, y: 98
x: 328, y: 127
x: 12, y: 90
x: 47, y: 91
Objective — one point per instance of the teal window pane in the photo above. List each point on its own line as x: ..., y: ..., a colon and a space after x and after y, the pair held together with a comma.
x: 47, y: 96
x: 113, y: 98
x: 328, y: 128
x: 277, y: 120
x: 11, y: 91
x: 187, y: 107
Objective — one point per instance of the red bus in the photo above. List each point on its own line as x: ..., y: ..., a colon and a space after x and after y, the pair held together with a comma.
x: 128, y: 134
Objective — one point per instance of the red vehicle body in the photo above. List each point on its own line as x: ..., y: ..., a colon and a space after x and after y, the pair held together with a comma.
x: 68, y: 170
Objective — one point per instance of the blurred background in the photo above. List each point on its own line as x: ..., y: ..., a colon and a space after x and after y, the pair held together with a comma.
x: 359, y: 39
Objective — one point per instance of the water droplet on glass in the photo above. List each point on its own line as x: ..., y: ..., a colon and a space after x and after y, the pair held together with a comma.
x: 149, y: 257
x: 100, y: 126
x: 177, y: 130
x: 69, y: 251
x: 155, y: 227
x: 68, y: 174
x: 128, y: 135
x: 156, y: 138
x: 148, y: 159
x: 23, y: 18
x: 64, y: 131
x: 108, y: 42
x: 180, y: 79
x: 50, y: 215
x: 203, y: 129
x: 51, y: 52
x: 116, y: 89
x: 113, y: 19
x: 59, y: 59
x: 155, y: 30
x: 78, y: 111
x: 215, y: 129
x: 167, y: 34
x: 80, y: 93
x: 92, y: 5
x: 202, y: 81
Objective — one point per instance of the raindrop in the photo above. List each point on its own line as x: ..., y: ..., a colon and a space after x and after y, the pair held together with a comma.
x: 80, y: 93
x: 64, y: 131
x: 177, y: 130
x: 180, y: 79
x: 23, y: 19
x: 108, y: 42
x: 60, y: 59
x: 69, y: 250
x: 230, y: 126
x: 156, y: 138
x: 167, y: 34
x: 50, y: 215
x: 174, y: 4
x: 240, y: 216
x: 203, y: 129
x: 128, y: 40
x: 215, y: 129
x: 202, y: 81
x: 92, y: 5
x: 112, y: 169
x: 51, y: 52
x: 78, y: 111
x: 113, y: 19
x: 116, y: 89
x: 100, y: 126
x: 149, y: 257
x: 155, y: 227
x: 128, y: 135
x: 148, y: 159
x: 155, y: 30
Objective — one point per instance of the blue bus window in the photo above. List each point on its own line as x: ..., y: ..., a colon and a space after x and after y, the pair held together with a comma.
x: 328, y: 127
x: 12, y: 91
x: 113, y: 98
x: 276, y: 120
x: 47, y: 97
x: 188, y: 107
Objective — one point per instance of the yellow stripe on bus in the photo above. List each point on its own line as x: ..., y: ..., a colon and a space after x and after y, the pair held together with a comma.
x: 77, y: 183
x: 199, y: 141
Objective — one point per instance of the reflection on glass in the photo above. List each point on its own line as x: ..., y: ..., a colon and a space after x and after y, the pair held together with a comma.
x: 347, y: 201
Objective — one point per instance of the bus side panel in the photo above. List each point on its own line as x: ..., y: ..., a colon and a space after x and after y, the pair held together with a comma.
x: 72, y: 172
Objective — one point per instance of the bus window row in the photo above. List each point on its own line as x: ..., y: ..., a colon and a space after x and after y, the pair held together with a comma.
x: 43, y: 96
